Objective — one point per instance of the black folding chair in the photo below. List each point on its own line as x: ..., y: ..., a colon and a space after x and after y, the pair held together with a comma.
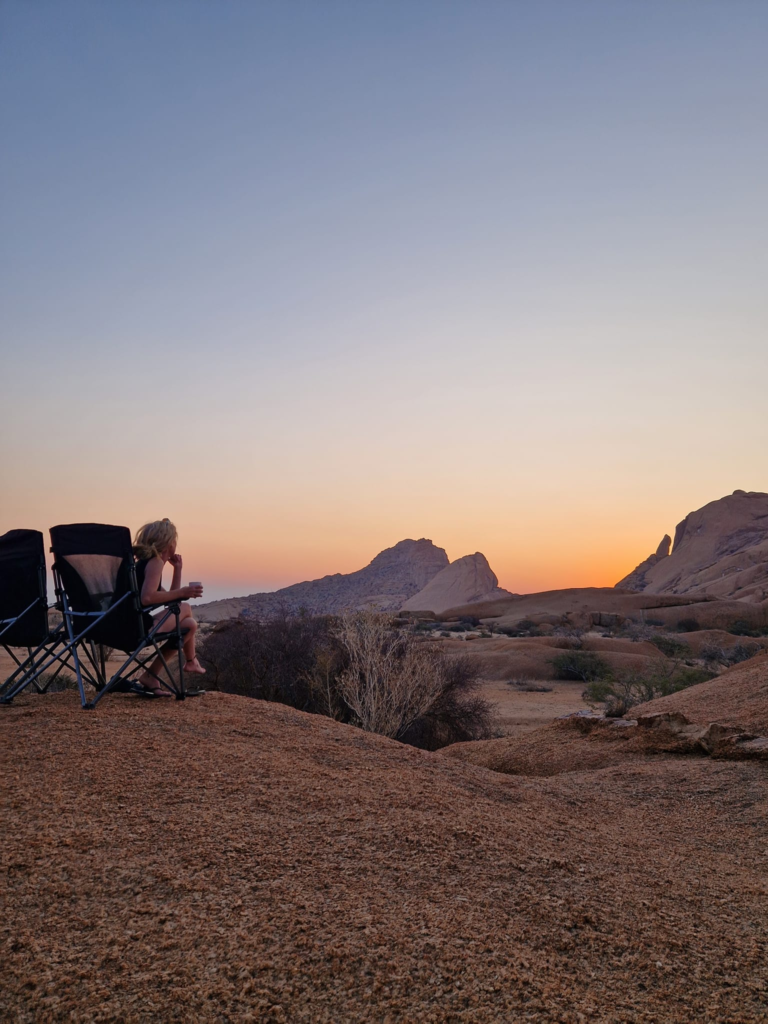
x: 97, y: 594
x: 24, y: 614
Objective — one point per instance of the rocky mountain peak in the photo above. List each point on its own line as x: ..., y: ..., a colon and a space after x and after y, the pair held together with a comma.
x: 720, y: 549
x: 389, y: 579
x: 465, y: 581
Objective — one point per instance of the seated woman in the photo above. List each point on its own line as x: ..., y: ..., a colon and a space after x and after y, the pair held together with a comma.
x: 154, y: 545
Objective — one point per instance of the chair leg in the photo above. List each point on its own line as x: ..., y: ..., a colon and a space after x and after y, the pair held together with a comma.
x: 180, y: 651
x: 75, y: 657
x: 39, y: 660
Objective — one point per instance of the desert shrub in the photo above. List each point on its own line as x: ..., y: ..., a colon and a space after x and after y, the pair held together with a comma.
x: 688, y: 626
x: 654, y: 622
x: 291, y: 660
x: 573, y: 633
x: 526, y: 625
x: 671, y: 647
x: 51, y: 682
x: 741, y: 652
x: 507, y: 630
x: 686, y: 676
x: 599, y: 690
x: 636, y: 631
x: 465, y: 626
x: 360, y: 670
x: 626, y: 691
x: 458, y: 712
x: 713, y: 653
x: 740, y: 627
x: 582, y: 666
x: 408, y: 691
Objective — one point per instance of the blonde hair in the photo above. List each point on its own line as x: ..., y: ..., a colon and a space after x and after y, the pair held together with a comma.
x: 153, y: 538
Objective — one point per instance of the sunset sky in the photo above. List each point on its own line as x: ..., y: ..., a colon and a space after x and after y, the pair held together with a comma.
x: 313, y: 277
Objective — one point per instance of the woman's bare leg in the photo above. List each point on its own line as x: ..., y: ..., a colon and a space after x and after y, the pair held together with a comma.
x: 186, y: 622
x: 150, y: 679
x: 192, y: 664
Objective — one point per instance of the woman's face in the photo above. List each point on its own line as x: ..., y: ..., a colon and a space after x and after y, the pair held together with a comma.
x: 170, y: 551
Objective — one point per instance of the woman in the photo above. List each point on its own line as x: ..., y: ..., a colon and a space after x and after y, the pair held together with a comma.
x: 154, y: 545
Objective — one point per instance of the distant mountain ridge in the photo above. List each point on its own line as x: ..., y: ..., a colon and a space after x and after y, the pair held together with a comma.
x: 719, y: 552
x: 386, y: 583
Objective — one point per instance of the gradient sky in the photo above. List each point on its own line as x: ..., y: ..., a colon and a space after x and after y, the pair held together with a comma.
x: 312, y: 277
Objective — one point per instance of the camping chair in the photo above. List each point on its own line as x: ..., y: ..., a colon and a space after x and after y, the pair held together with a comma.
x: 98, y: 596
x: 24, y: 614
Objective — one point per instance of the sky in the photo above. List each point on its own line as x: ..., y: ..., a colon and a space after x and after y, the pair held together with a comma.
x: 313, y: 277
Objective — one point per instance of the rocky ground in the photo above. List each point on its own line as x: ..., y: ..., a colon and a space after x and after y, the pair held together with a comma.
x: 229, y: 860
x: 737, y: 697
x: 726, y: 717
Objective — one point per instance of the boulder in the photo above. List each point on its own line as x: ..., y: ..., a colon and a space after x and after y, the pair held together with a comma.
x: 720, y: 551
x: 466, y: 581
x: 636, y: 580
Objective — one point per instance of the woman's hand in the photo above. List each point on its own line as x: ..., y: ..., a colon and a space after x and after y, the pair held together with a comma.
x: 176, y: 561
x: 189, y: 593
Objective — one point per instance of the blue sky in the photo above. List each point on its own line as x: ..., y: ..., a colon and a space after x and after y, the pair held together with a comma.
x: 298, y: 267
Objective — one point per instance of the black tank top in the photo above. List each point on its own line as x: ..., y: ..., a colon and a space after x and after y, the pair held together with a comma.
x: 141, y: 572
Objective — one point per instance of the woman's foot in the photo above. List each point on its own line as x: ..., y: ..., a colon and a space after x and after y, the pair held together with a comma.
x: 153, y: 686
x: 194, y: 666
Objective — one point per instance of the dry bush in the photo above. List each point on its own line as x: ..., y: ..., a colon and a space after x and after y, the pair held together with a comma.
x: 410, y: 691
x: 573, y: 633
x: 671, y: 647
x: 688, y: 625
x: 390, y: 681
x: 714, y: 653
x: 361, y: 670
x: 741, y: 627
x: 57, y: 682
x: 289, y: 659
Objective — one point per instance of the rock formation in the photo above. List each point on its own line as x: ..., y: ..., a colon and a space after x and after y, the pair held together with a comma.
x: 394, y: 575
x: 720, y: 551
x: 636, y: 579
x: 464, y: 581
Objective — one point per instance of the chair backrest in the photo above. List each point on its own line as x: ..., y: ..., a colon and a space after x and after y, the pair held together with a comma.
x: 95, y: 566
x: 22, y: 583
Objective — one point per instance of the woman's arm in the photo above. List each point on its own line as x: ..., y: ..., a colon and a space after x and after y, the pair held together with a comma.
x: 150, y: 595
x: 177, y: 562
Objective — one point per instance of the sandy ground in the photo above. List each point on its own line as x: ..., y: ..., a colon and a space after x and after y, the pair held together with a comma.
x: 229, y: 860
x: 520, y: 712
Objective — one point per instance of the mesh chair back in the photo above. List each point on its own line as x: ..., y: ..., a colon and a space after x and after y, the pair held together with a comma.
x: 22, y: 582
x: 95, y: 565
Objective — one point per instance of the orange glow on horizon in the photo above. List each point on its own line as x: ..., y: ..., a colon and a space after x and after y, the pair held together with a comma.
x: 239, y: 536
